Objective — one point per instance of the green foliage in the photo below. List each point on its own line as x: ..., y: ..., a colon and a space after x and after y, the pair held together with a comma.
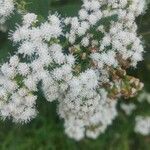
x: 46, y: 131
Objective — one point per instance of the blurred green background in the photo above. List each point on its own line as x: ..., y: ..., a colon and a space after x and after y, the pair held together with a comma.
x: 46, y: 132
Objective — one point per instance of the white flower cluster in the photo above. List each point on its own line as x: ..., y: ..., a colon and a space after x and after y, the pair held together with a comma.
x: 17, y: 100
x: 142, y: 125
x: 72, y: 59
x: 119, y: 36
x: 6, y: 9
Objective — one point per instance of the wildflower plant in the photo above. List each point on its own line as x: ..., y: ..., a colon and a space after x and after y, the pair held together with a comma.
x: 81, y: 62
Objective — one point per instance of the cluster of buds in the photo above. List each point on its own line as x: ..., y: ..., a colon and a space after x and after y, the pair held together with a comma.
x: 123, y: 85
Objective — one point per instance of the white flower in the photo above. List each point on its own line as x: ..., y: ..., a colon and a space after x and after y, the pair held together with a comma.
x: 54, y: 19
x: 85, y: 41
x: 128, y: 109
x: 31, y: 83
x: 14, y: 61
x: 83, y: 14
x: 29, y: 18
x: 30, y: 100
x: 6, y: 9
x: 142, y: 125
x: 7, y: 70
x: 70, y: 59
x: 23, y: 69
